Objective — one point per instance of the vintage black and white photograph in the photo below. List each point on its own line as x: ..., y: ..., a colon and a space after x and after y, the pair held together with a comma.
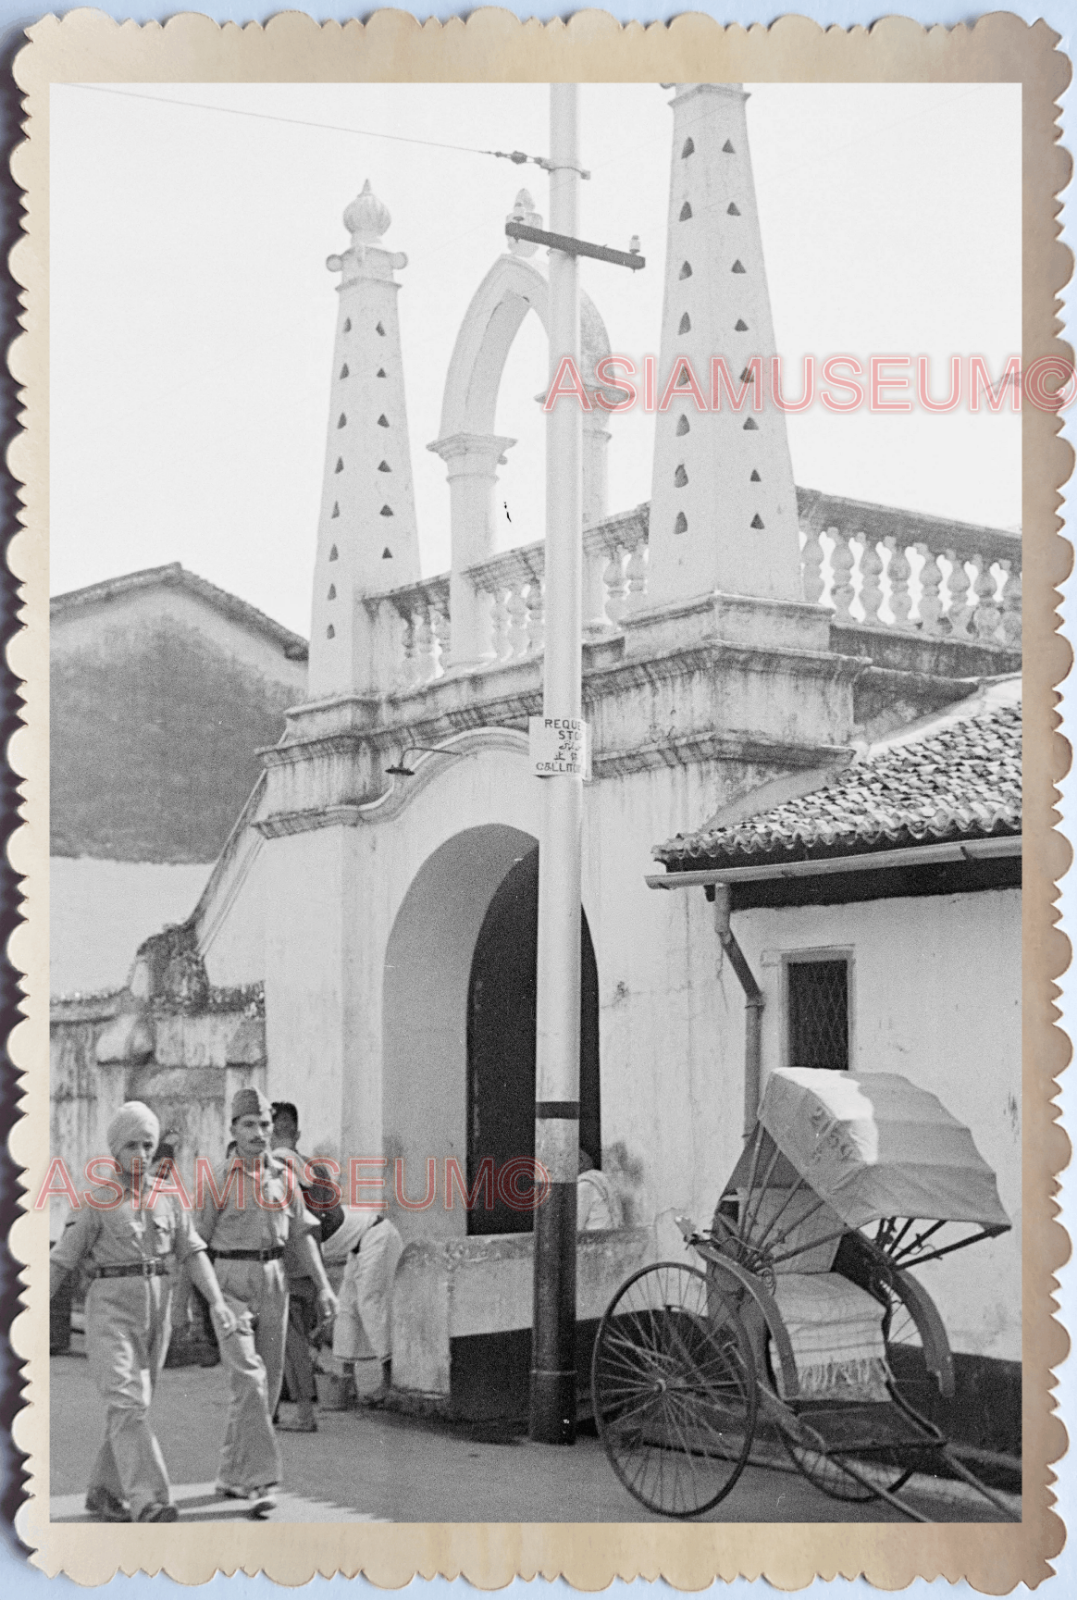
x: 536, y: 802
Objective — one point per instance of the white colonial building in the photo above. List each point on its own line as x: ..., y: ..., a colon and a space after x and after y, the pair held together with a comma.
x: 377, y: 898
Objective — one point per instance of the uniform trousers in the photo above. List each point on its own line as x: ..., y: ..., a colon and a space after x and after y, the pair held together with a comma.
x: 302, y: 1317
x: 127, y: 1333
x: 257, y: 1292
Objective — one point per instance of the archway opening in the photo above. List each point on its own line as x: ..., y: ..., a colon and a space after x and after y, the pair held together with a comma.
x: 501, y: 1019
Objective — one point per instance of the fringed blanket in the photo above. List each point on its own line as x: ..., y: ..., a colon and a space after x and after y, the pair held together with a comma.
x: 836, y: 1333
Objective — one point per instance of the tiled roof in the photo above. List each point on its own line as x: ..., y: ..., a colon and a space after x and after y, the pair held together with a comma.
x: 961, y: 782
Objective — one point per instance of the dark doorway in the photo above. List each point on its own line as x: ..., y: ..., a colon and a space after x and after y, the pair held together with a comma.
x: 501, y: 1043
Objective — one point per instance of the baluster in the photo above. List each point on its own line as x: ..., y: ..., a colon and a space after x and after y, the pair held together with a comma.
x: 811, y: 565
x: 871, y: 568
x: 616, y: 587
x: 957, y: 588
x: 636, y: 576
x: 410, y: 667
x: 987, y: 615
x: 518, y: 626
x: 898, y: 572
x: 499, y: 623
x: 536, y: 617
x: 424, y: 645
x: 930, y: 583
x: 841, y: 562
x: 1010, y: 629
x: 441, y: 628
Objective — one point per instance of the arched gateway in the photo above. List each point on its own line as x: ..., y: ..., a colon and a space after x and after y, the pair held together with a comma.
x: 458, y: 1074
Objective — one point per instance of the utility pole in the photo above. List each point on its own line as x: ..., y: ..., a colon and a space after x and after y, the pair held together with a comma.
x: 560, y: 734
x: 557, y: 1090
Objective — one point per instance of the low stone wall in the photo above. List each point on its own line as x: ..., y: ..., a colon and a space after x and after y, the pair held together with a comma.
x: 462, y: 1312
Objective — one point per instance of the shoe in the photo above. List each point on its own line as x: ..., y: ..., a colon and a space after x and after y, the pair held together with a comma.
x: 298, y: 1425
x: 260, y: 1503
x: 231, y: 1491
x: 102, y: 1503
x: 159, y: 1511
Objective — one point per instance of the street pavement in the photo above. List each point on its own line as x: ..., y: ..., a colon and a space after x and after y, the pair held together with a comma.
x: 378, y: 1466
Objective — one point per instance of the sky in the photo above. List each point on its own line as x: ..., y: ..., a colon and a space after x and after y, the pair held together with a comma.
x: 192, y: 316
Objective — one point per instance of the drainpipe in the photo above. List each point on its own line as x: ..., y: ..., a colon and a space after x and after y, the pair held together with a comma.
x: 753, y: 1006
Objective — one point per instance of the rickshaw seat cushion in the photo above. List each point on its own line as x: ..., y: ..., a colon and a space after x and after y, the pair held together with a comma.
x: 836, y: 1333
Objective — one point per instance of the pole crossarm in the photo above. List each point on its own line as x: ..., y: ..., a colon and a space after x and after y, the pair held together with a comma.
x: 575, y: 247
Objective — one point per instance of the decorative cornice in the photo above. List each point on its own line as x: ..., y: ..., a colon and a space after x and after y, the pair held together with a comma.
x: 689, y: 749
x: 400, y: 793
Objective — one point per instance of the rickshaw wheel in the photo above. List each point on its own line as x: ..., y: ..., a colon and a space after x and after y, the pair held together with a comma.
x: 674, y: 1388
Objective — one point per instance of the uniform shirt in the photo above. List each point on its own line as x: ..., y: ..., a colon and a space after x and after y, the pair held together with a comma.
x: 264, y: 1221
x: 119, y: 1235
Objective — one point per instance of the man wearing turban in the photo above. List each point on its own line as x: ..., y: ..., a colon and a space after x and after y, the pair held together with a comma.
x: 128, y: 1241
x: 254, y: 1210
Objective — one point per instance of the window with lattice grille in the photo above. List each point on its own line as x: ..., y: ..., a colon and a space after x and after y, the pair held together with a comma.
x: 817, y: 1009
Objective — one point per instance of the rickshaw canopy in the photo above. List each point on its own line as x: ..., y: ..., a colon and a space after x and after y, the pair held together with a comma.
x: 875, y: 1145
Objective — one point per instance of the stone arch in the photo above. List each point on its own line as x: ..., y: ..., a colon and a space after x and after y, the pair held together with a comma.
x: 424, y: 1013
x: 512, y: 287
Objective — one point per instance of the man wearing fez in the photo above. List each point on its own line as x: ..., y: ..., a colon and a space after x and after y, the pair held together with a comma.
x: 255, y: 1210
x: 129, y: 1244
x: 320, y: 1196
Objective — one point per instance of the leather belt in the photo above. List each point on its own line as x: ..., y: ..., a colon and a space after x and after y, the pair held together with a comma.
x: 356, y: 1248
x: 274, y: 1254
x: 133, y: 1269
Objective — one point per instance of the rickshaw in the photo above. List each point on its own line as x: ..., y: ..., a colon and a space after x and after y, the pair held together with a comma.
x: 802, y: 1313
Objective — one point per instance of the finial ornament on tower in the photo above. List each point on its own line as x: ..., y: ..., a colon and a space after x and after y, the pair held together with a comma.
x: 366, y: 218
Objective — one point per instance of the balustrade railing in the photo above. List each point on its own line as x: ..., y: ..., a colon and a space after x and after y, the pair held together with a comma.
x: 872, y: 566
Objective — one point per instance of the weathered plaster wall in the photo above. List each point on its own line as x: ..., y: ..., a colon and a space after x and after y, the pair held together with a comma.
x: 159, y: 705
x: 935, y: 995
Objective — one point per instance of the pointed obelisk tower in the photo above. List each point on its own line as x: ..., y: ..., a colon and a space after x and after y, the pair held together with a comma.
x: 723, y: 505
x: 367, y: 535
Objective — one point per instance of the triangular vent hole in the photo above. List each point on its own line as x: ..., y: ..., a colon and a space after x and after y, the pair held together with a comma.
x: 751, y: 426
x: 757, y: 521
x: 737, y: 267
x: 383, y: 421
x: 740, y: 327
x: 685, y: 325
x: 336, y: 509
x: 680, y: 478
x: 344, y: 370
x: 727, y: 149
x: 383, y: 466
x: 380, y: 373
x: 330, y: 632
x: 332, y: 591
x: 682, y: 426
x: 386, y: 511
x: 333, y: 554
x: 755, y: 478
x: 732, y: 210
x: 380, y: 330
x: 681, y: 524
x: 686, y: 212
x: 387, y: 554
x: 343, y: 423
x: 688, y: 150
x: 340, y: 464
x: 686, y: 270
x: 347, y: 324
